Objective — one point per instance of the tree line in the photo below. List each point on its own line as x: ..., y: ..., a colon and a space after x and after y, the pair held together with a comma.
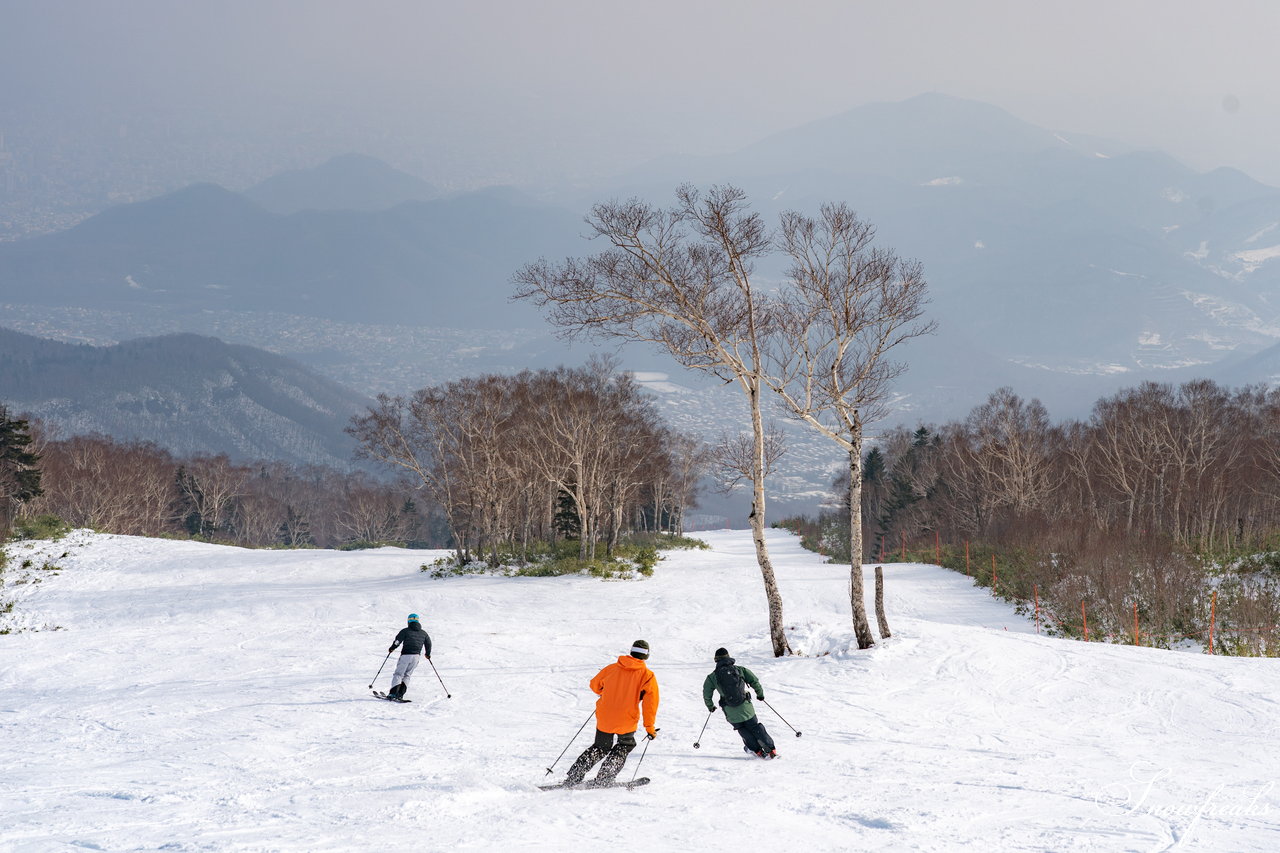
x: 495, y: 467
x: 140, y: 489
x: 521, y: 461
x: 1162, y: 496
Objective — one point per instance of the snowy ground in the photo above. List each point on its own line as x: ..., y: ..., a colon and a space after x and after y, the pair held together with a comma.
x: 210, y: 698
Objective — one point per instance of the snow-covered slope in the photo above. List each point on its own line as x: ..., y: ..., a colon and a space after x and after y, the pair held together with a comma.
x: 209, y: 698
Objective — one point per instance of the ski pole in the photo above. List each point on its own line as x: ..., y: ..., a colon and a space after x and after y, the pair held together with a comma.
x: 575, y: 737
x: 780, y: 717
x: 447, y: 694
x: 698, y: 743
x: 642, y: 754
x: 384, y: 663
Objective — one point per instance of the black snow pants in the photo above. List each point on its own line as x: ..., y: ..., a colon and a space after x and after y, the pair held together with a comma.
x: 754, y: 737
x: 614, y: 755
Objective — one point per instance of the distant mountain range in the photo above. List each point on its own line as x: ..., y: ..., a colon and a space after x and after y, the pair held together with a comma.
x: 433, y: 263
x: 1043, y: 248
x: 1065, y: 266
x: 188, y: 393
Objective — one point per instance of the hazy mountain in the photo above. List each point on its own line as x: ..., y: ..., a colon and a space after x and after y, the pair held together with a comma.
x: 436, y: 263
x: 1062, y: 265
x: 1261, y: 368
x: 185, y: 392
x: 1043, y: 248
x: 348, y: 182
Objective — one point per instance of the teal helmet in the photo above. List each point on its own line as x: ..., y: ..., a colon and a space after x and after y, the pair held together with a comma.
x: 413, y: 617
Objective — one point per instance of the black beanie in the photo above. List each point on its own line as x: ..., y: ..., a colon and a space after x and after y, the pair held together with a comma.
x: 722, y: 653
x: 640, y: 650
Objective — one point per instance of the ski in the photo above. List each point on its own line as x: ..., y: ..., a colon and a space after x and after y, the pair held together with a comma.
x: 587, y: 786
x: 382, y: 695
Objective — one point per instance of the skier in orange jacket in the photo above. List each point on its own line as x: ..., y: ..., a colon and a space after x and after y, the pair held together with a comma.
x: 624, y: 688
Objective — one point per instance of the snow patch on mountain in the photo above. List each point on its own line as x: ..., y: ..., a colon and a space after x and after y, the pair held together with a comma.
x: 1251, y: 259
x: 1262, y: 232
x: 1230, y: 314
x: 1082, y: 368
x: 1215, y: 342
x: 659, y: 383
x: 1151, y: 339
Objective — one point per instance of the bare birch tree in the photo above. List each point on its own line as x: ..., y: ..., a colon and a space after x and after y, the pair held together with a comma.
x: 847, y: 306
x: 691, y: 458
x: 420, y: 436
x: 680, y: 278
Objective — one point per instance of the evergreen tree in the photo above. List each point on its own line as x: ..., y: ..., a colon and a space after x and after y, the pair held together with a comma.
x: 875, y: 473
x: 188, y: 503
x: 19, y: 468
x: 903, y: 483
x: 568, y: 522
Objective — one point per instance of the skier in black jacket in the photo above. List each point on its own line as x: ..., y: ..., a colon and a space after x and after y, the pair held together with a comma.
x: 416, y: 642
x: 732, y: 681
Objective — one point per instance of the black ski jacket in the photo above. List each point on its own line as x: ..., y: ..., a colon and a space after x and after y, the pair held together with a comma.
x: 416, y: 641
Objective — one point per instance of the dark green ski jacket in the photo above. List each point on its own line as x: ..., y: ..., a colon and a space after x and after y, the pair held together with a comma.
x: 739, y: 713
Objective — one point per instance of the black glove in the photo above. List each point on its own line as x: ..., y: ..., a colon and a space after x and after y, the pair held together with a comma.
x: 710, y: 709
x: 760, y: 697
x: 390, y: 650
x: 654, y: 734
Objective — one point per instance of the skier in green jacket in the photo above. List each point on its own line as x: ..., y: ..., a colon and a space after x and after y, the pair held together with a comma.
x: 732, y: 680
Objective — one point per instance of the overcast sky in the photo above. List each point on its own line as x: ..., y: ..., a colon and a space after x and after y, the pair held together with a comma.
x: 525, y: 91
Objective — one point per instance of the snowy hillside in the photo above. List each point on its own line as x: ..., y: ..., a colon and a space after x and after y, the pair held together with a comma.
x: 173, y: 695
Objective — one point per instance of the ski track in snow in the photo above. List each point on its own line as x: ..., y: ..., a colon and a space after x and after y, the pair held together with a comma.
x: 212, y: 698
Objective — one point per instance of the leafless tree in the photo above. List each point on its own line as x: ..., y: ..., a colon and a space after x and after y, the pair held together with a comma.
x: 210, y: 488
x: 847, y: 306
x: 426, y: 436
x: 93, y: 481
x: 690, y: 459
x: 680, y: 278
x: 497, y: 453
x: 733, y: 455
x: 1010, y: 452
x: 583, y: 412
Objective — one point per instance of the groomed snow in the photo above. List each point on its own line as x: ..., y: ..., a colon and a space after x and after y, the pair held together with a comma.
x: 212, y: 698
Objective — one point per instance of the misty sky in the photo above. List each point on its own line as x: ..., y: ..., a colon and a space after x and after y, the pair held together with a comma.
x: 469, y: 93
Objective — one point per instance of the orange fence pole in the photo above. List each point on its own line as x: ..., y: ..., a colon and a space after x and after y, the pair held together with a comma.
x: 904, y: 546
x: 1137, y: 638
x: 1035, y: 590
x: 966, y: 557
x: 1213, y: 618
x: 937, y: 547
x: 1084, y: 616
x: 994, y: 577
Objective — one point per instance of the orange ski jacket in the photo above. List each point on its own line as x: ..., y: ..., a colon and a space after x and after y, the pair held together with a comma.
x: 621, y: 687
